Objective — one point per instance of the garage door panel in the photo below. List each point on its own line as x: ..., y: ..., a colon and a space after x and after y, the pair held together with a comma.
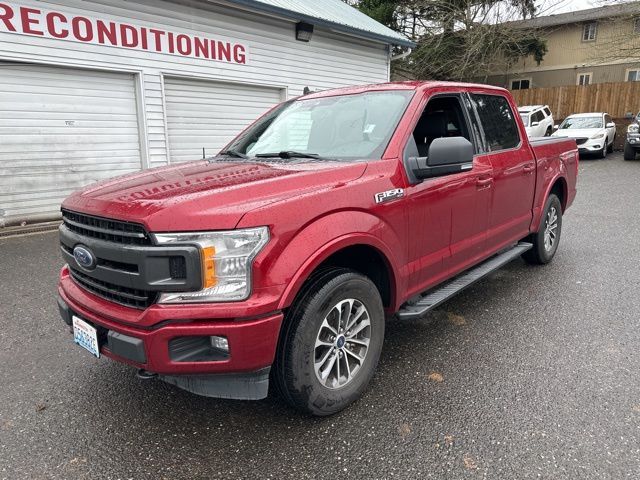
x: 205, y: 114
x: 61, y: 129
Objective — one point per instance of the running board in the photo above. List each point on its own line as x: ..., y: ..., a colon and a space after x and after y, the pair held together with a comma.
x: 435, y: 297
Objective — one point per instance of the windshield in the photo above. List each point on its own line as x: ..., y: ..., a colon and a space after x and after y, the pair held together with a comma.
x: 581, y: 122
x: 525, y: 119
x: 342, y: 127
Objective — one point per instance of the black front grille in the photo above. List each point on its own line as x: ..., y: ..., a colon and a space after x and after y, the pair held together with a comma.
x: 580, y: 141
x: 129, y: 297
x: 106, y: 229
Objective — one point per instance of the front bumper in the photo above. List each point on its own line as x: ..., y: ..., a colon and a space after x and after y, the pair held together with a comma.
x: 592, y: 145
x: 633, y: 140
x: 252, y: 341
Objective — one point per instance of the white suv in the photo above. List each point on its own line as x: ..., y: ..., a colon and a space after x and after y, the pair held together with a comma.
x: 537, y: 119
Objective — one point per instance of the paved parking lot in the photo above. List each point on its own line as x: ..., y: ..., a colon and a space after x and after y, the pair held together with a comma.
x: 532, y: 373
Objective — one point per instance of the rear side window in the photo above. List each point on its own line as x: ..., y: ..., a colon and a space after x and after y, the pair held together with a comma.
x: 538, y: 116
x: 547, y: 111
x: 497, y: 121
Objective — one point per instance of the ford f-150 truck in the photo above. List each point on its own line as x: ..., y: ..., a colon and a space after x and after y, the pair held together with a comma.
x: 276, y: 262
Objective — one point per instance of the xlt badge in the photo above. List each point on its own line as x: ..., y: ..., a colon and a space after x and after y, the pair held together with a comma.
x: 389, y: 195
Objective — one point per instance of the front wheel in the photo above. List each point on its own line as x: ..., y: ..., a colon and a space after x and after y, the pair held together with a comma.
x: 629, y: 152
x: 331, y: 342
x: 605, y: 149
x: 546, y: 239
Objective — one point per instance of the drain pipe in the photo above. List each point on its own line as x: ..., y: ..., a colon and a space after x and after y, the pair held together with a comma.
x: 402, y: 55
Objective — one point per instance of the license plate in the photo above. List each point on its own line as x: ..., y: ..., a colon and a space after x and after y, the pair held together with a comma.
x: 86, y: 336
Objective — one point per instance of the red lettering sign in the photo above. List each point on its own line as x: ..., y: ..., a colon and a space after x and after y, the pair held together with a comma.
x: 52, y: 24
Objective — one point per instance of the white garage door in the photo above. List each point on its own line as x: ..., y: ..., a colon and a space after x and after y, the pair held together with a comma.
x: 204, y: 114
x: 61, y: 129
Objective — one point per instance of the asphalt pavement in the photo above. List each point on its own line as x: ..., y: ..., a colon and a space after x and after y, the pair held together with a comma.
x: 531, y: 373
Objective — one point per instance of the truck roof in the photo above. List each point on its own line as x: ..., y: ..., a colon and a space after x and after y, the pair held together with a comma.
x: 407, y: 85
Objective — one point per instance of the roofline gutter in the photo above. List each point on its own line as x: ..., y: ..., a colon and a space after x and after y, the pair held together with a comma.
x: 300, y: 17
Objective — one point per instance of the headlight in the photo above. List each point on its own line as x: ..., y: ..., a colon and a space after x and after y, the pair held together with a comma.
x: 227, y: 257
x: 597, y: 135
x: 633, y: 128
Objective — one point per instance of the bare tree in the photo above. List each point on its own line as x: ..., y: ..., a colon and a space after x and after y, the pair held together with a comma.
x: 458, y: 39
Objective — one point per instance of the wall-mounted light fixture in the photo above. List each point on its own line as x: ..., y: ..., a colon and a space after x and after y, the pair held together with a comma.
x: 304, y: 31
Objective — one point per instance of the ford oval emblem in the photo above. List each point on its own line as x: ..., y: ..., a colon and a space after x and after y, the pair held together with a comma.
x: 84, y: 257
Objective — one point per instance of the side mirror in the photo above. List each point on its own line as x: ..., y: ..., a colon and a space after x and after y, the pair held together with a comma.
x: 446, y: 155
x: 611, y: 125
x: 555, y: 127
x: 535, y: 124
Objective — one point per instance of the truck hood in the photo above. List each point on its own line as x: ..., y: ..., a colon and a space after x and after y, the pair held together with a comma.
x: 206, y: 195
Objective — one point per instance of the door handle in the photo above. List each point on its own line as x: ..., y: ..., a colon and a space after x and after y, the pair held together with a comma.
x: 529, y: 167
x: 484, y: 182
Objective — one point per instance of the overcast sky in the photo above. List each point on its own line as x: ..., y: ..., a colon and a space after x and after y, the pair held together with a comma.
x: 549, y: 7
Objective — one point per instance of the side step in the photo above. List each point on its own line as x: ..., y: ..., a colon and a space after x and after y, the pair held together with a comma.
x: 435, y: 297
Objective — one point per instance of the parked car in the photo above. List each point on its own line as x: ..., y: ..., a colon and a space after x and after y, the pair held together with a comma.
x: 593, y: 132
x: 537, y: 119
x: 632, y: 142
x: 279, y: 259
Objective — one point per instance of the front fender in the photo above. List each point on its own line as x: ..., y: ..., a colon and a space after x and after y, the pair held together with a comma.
x: 327, y: 235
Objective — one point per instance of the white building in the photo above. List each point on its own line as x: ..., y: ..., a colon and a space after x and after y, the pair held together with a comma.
x: 93, y: 89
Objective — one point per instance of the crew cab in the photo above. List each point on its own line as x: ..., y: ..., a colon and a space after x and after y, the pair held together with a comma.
x: 276, y: 262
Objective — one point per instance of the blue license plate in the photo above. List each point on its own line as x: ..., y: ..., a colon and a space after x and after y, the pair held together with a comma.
x: 86, y: 336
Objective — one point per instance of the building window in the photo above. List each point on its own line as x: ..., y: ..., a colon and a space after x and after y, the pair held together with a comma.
x: 589, y: 32
x: 633, y: 75
x: 521, y: 84
x: 584, y: 78
x: 636, y: 25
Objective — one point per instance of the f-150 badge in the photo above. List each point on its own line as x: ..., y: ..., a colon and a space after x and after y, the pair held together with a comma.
x: 389, y: 195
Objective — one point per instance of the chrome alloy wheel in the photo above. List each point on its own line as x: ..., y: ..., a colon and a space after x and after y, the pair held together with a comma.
x: 550, y: 229
x: 342, y: 343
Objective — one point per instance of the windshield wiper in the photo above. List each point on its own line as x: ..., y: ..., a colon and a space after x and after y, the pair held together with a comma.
x: 234, y: 153
x: 287, y: 154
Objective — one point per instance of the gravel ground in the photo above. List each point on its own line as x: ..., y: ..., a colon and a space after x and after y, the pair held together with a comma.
x: 532, y: 373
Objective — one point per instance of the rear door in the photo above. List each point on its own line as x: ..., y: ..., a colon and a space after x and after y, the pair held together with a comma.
x: 513, y: 164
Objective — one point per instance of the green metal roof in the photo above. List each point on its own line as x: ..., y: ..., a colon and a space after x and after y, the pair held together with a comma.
x: 333, y: 14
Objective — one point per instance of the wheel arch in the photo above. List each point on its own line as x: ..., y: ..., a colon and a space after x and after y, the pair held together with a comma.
x: 362, y: 253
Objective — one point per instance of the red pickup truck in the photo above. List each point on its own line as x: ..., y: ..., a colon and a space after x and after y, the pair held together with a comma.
x: 278, y: 260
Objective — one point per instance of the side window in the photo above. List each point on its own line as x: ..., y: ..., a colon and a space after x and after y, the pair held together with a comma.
x: 607, y: 119
x: 547, y: 111
x: 496, y: 118
x: 538, y: 116
x: 442, y: 117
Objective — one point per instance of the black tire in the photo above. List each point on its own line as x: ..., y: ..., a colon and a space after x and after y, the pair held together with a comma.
x: 610, y: 146
x: 603, y: 153
x: 548, y: 132
x: 294, y: 373
x: 539, y: 254
x: 629, y: 152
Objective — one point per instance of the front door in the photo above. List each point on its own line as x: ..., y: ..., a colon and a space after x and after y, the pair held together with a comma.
x: 448, y: 215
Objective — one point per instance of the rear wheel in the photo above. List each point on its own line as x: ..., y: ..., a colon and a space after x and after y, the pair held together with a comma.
x: 548, y: 132
x: 546, y: 240
x: 629, y: 152
x: 331, y: 342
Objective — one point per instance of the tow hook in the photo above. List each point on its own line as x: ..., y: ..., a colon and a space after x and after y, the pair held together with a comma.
x: 146, y: 374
